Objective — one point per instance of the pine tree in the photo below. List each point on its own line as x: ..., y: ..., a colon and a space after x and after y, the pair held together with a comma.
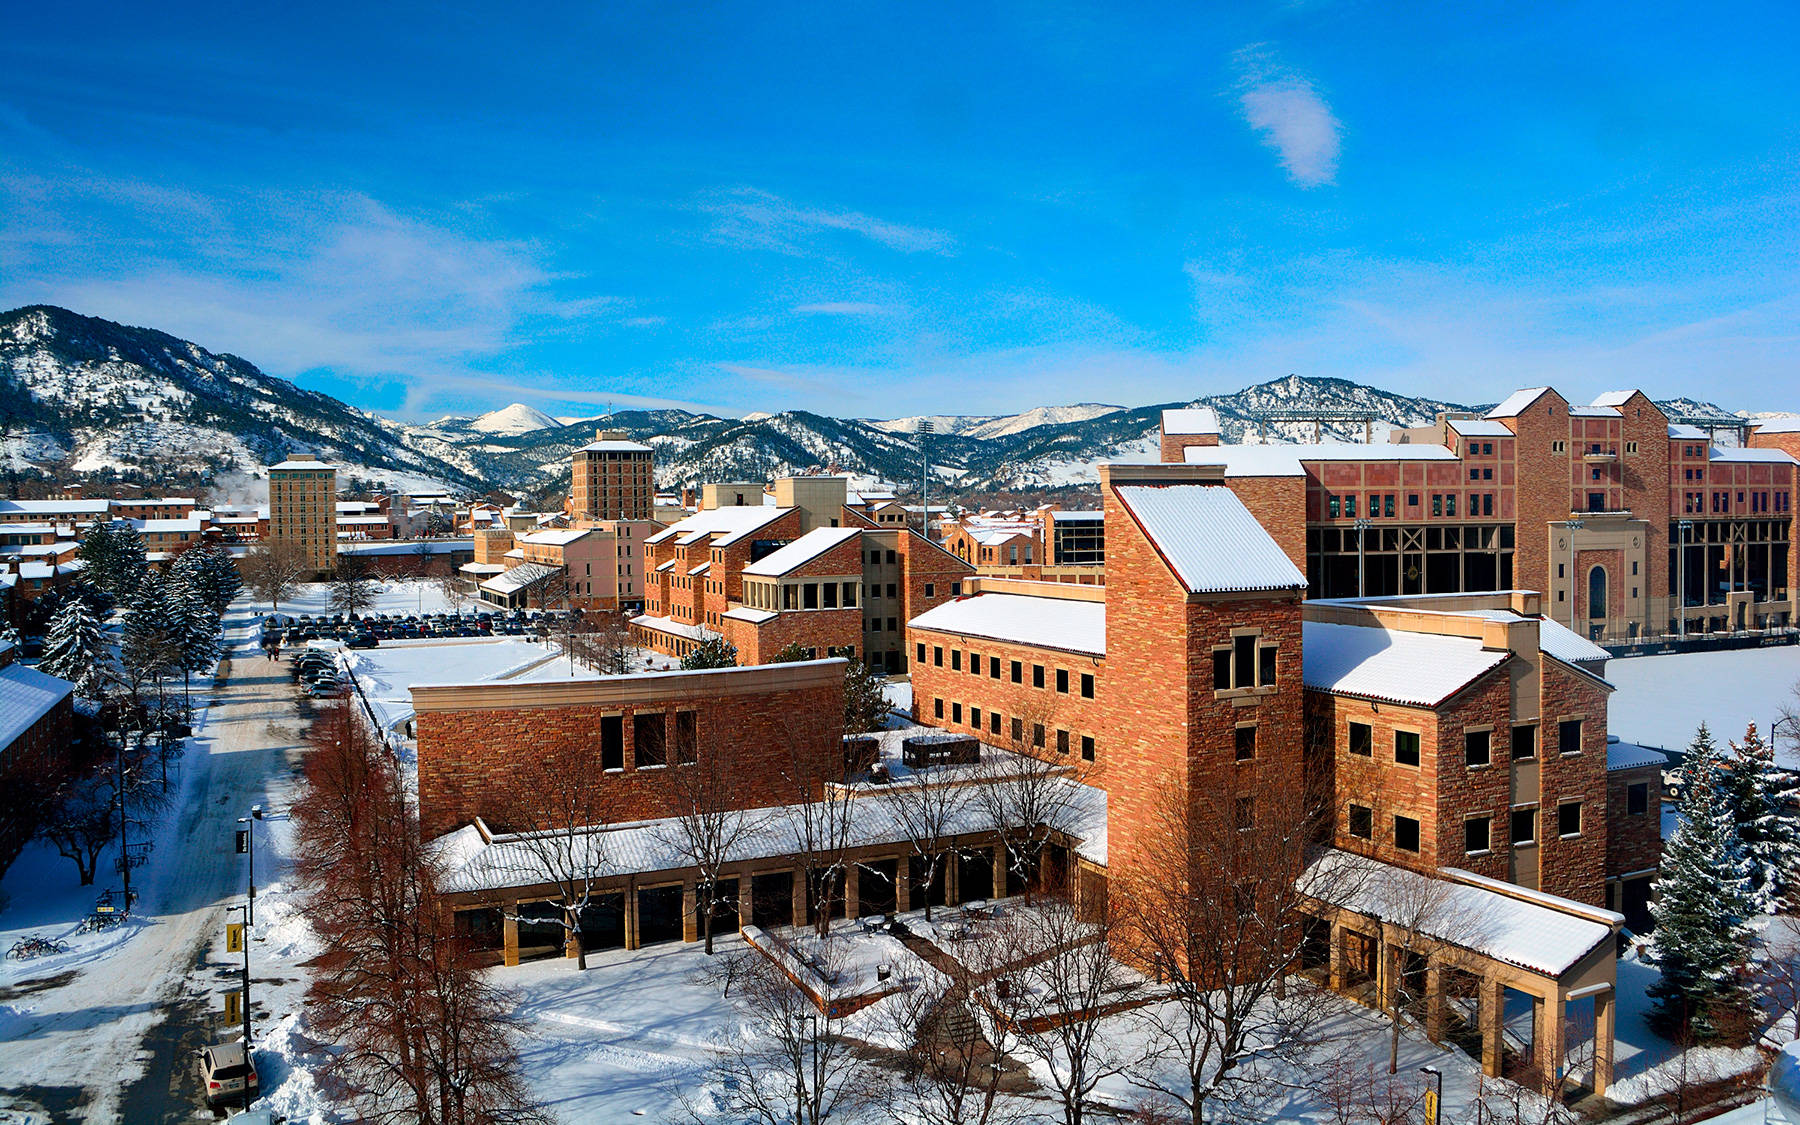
x: 75, y: 651
x: 196, y: 629
x: 714, y: 653
x: 1675, y: 781
x: 150, y: 643
x: 1760, y: 794
x: 114, y: 554
x: 1704, y: 907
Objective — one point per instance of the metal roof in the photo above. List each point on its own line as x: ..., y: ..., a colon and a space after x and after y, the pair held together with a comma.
x: 1416, y: 669
x: 1209, y: 539
x: 802, y: 551
x: 1042, y: 622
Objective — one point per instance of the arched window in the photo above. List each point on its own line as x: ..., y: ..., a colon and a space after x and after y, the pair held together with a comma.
x: 1597, y: 593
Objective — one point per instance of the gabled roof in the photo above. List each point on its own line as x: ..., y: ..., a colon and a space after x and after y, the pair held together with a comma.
x: 731, y: 523
x: 801, y: 551
x: 1631, y: 756
x: 1516, y: 403
x: 1209, y: 539
x: 1041, y: 622
x: 1567, y: 645
x: 1785, y: 425
x: 1479, y: 427
x: 1192, y: 420
x: 27, y: 695
x: 1416, y: 669
x: 1683, y: 432
x: 1613, y: 398
x: 520, y: 577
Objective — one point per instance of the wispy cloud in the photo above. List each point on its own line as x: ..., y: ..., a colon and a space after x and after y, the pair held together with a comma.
x: 510, y: 390
x: 1290, y: 116
x: 846, y: 308
x: 754, y: 219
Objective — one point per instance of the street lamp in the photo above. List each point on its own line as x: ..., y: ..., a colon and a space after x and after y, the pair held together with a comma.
x: 246, y: 845
x: 1683, y: 527
x: 1435, y: 1096
x: 249, y: 1090
x: 1573, y: 526
x: 1362, y: 529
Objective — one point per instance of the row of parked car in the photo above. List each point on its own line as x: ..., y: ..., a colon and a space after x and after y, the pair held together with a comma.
x: 370, y: 630
x: 317, y: 670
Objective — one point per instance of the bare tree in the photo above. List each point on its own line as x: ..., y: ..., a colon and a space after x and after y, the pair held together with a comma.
x: 1028, y: 796
x: 273, y: 568
x: 352, y: 584
x: 606, y: 644
x: 797, y: 1069
x: 707, y: 831
x: 1212, y: 910
x: 1061, y: 1001
x: 931, y: 805
x: 81, y: 822
x: 454, y: 589
x: 555, y: 805
x: 819, y: 822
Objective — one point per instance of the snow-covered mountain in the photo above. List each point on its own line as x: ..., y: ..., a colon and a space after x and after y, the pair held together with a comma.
x: 990, y: 426
x: 512, y: 420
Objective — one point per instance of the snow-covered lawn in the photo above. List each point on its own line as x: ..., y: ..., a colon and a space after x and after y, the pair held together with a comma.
x: 1661, y: 699
x: 394, y: 595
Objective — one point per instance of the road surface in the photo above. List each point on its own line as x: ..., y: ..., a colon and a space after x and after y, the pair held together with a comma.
x: 115, y: 1042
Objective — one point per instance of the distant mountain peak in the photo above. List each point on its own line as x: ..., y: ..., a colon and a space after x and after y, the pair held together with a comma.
x: 512, y: 420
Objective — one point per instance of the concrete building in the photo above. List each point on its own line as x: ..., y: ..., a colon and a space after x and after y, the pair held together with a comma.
x: 612, y: 478
x: 303, y: 508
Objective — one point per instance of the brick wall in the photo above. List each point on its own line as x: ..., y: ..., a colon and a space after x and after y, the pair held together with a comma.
x: 1279, y: 504
x: 32, y: 764
x: 1574, y: 867
x: 1633, y: 842
x: 964, y: 693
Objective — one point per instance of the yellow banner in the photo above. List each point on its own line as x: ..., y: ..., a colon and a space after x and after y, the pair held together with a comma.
x: 234, y: 937
x: 1431, y: 1107
x: 234, y: 1006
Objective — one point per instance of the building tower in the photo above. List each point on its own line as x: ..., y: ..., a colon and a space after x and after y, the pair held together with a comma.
x: 612, y: 478
x: 303, y: 508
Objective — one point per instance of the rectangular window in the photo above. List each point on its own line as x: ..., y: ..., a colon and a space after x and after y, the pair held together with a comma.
x: 956, y: 712
x: 993, y: 667
x: 1349, y: 506
x: 1222, y: 669
x: 975, y: 718
x: 1243, y: 659
x: 1266, y: 670
x: 687, y: 737
x: 1087, y: 685
x: 1245, y: 813
x: 1568, y: 736
x: 612, y: 742
x: 1568, y: 818
x: 1062, y: 681
x: 1037, y: 735
x: 1637, y: 798
x: 1037, y: 675
x: 1361, y: 822
x: 1018, y: 672
x: 937, y: 656
x: 1362, y: 739
x: 956, y: 660
x: 1524, y: 826
x: 1246, y: 743
x: 1437, y: 504
x: 1524, y: 743
x: 1387, y: 504
x: 1406, y: 833
x: 1406, y: 747
x: 649, y: 733
x: 1477, y: 748
x: 994, y: 722
x: 1478, y: 834
x: 930, y: 589
x: 809, y: 596
x: 1331, y: 507
x: 974, y: 664
x: 937, y: 708
x: 1062, y: 742
x: 1087, y: 748
x: 1018, y: 730
x: 1450, y: 504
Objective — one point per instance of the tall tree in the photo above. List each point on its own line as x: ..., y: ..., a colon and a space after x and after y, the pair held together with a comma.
x: 932, y: 805
x: 352, y: 585
x: 150, y: 643
x: 197, y: 627
x: 708, y: 831
x: 274, y: 568
x: 1762, y: 794
x: 75, y: 651
x: 114, y: 557
x: 555, y: 804
x: 866, y: 705
x: 1703, y: 909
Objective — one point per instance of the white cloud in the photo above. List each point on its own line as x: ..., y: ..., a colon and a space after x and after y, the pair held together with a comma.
x: 846, y: 308
x: 1292, y: 118
x: 755, y: 219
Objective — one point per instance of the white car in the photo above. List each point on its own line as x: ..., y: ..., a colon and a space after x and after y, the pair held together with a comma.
x: 226, y: 1072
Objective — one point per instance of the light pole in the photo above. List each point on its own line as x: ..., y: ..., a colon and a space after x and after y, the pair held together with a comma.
x: 246, y: 845
x: 926, y: 428
x: 249, y: 1091
x: 1435, y: 1096
x: 1682, y: 527
x: 1573, y: 526
x: 1362, y: 529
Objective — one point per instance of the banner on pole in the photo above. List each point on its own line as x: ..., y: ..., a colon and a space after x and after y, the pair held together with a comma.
x: 243, y: 840
x: 234, y: 937
x: 234, y: 1006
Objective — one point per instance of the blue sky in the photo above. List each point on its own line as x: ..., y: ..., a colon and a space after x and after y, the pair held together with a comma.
x: 875, y: 210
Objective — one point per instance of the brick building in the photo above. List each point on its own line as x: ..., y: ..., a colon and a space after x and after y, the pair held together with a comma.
x: 303, y: 508
x: 612, y: 478
x: 36, y: 711
x: 1634, y: 790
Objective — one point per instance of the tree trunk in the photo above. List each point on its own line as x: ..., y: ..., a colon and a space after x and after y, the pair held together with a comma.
x: 706, y: 919
x: 572, y: 919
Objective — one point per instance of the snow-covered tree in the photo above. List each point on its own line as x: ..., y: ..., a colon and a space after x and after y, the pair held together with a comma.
x: 197, y: 628
x: 1761, y: 793
x: 714, y: 653
x: 75, y: 651
x: 1704, y: 907
x: 150, y: 644
x: 209, y: 570
x: 1675, y: 781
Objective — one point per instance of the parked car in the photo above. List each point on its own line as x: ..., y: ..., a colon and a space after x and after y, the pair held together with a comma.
x: 226, y: 1074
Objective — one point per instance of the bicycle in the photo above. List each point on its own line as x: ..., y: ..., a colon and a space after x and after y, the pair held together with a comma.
x: 27, y: 948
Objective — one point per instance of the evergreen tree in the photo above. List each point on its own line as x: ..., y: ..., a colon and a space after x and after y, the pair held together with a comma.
x: 150, y: 643
x: 209, y: 571
x: 75, y: 651
x: 1703, y: 908
x: 1760, y: 793
x: 866, y: 704
x: 715, y: 653
x: 1675, y: 781
x: 791, y: 653
x: 100, y: 556
x: 196, y: 629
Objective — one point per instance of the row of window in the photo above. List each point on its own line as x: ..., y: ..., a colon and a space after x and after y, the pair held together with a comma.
x: 995, y: 725
x: 1442, y: 503
x: 1478, y: 831
x: 651, y: 739
x: 1244, y: 664
x: 1015, y: 669
x: 1478, y: 745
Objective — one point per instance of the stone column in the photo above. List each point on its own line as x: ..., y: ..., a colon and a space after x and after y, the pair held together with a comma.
x: 1335, y: 976
x: 1492, y: 998
x: 1604, y: 1016
x: 799, y: 896
x: 631, y: 916
x: 1547, y: 1038
x: 1434, y: 1002
x: 852, y: 890
x: 745, y: 911
x: 903, y: 885
x: 509, y: 932
x: 690, y: 910
x: 952, y: 879
x: 1387, y: 975
x: 999, y: 871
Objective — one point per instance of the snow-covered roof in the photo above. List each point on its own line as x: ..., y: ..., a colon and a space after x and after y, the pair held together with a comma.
x: 361, y: 521
x: 448, y: 546
x: 1190, y: 421
x: 1567, y: 645
x: 1530, y: 929
x: 1516, y: 403
x: 702, y: 569
x: 37, y: 570
x: 753, y: 616
x: 1418, y: 669
x: 1479, y: 427
x: 731, y: 523
x: 1784, y: 425
x: 303, y: 465
x: 676, y: 628
x: 26, y: 696
x: 1740, y: 455
x: 555, y: 537
x: 519, y: 577
x: 1630, y: 756
x: 1684, y: 432
x: 1209, y: 539
x: 615, y: 446
x: 57, y: 507
x: 1613, y: 398
x: 1041, y: 622
x: 1594, y: 412
x: 481, y: 568
x: 802, y: 551
x: 1290, y: 460
x: 1061, y: 516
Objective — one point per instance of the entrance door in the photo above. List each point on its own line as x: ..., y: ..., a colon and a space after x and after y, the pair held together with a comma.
x: 659, y: 914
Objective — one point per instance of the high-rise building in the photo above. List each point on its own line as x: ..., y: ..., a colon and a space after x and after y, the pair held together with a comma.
x: 612, y: 478
x: 303, y: 508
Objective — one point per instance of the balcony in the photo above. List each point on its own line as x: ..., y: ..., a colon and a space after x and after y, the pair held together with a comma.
x: 1600, y: 456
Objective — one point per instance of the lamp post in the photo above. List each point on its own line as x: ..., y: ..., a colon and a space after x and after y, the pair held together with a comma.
x: 926, y: 429
x: 1434, y: 1097
x: 1682, y: 527
x: 1573, y: 526
x: 1362, y: 530
x: 246, y: 844
x: 249, y: 1092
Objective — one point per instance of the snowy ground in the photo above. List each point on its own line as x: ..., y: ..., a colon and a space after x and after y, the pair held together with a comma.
x: 1661, y: 699
x: 397, y: 595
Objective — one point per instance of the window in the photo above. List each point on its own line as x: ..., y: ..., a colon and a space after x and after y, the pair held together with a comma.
x: 1266, y: 658
x: 1568, y: 736
x: 975, y: 718
x: 1245, y: 813
x: 1387, y: 504
x: 1524, y: 743
x: 687, y: 737
x: 1062, y: 681
x: 1406, y: 833
x: 1478, y: 748
x: 1018, y: 672
x: 649, y: 737
x: 1631, y: 447
x: 930, y: 589
x: 1637, y: 798
x: 1406, y: 747
x: 1246, y: 743
x: 1437, y: 504
x: 993, y: 667
x: 1478, y: 834
x: 1524, y: 826
x: 1559, y: 447
x: 1037, y: 675
x: 1037, y: 735
x: 956, y: 660
x: 1087, y: 685
x: 1018, y: 730
x: 1412, y: 499
x: 956, y: 712
x: 994, y: 722
x: 612, y: 742
x: 1222, y: 669
x: 1362, y: 822
x: 955, y: 589
x: 1062, y: 742
x: 1568, y: 818
x: 937, y: 655
x: 1349, y: 506
x: 937, y: 708
x: 1332, y: 504
x: 974, y: 664
x: 1362, y: 739
x: 1243, y: 664
x: 1087, y: 748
